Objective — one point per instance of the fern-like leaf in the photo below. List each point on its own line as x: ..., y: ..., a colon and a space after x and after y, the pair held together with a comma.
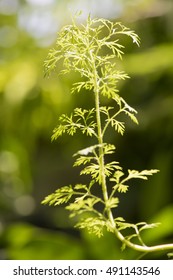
x: 60, y: 196
x: 80, y: 206
x: 140, y: 174
x: 94, y: 225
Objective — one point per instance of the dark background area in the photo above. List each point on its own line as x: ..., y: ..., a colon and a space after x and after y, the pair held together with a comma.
x: 32, y: 167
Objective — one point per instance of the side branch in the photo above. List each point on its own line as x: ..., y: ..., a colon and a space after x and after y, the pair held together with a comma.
x: 142, y: 248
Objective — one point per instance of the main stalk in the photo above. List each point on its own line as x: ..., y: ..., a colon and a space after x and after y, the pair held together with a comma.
x: 102, y: 179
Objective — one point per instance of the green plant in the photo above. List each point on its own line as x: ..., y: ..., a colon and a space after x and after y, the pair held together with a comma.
x: 92, y: 50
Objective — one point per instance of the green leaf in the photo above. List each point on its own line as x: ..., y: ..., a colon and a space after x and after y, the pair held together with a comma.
x: 144, y: 226
x: 82, y: 160
x: 94, y: 225
x: 60, y: 196
x: 80, y: 119
x: 105, y: 110
x: 80, y: 186
x: 141, y: 174
x: 112, y: 203
x: 94, y: 170
x: 122, y: 188
x: 109, y: 149
x: 110, y: 167
x: 82, y: 205
x: 82, y: 85
x: 116, y: 177
x: 132, y: 117
x: 119, y: 126
x: 124, y: 225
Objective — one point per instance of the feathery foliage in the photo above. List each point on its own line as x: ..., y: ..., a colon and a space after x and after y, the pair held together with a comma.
x: 93, y: 50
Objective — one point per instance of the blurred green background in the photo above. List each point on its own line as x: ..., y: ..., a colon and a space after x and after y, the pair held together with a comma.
x: 31, y: 166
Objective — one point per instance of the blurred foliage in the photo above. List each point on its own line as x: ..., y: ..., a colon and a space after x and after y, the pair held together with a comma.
x: 31, y: 166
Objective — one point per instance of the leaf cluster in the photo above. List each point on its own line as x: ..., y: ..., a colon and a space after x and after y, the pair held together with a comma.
x: 78, y: 46
x: 90, y: 158
x: 81, y: 200
x: 80, y: 119
x: 84, y: 120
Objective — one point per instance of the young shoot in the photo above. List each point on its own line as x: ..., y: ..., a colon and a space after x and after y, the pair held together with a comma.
x: 92, y: 50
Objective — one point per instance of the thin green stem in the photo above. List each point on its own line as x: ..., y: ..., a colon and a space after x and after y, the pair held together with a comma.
x: 143, y: 247
x: 99, y: 131
x: 100, y: 142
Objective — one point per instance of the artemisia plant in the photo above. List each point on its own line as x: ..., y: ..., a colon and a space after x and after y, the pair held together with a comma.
x: 93, y: 50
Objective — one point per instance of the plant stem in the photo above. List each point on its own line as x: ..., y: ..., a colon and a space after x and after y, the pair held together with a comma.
x: 100, y: 142
x: 102, y: 180
x: 141, y: 248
